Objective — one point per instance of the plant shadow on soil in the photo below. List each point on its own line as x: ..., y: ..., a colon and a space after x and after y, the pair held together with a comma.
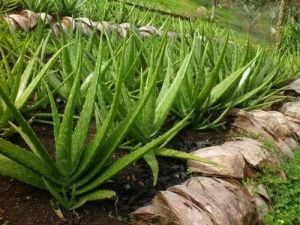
x: 21, y: 204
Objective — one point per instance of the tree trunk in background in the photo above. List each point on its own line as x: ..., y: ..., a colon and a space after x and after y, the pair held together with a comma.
x: 214, y: 5
x: 280, y: 22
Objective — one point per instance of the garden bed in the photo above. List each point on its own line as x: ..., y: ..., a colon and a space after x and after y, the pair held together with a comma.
x: 21, y: 204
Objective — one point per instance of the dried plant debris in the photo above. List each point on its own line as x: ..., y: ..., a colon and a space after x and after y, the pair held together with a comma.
x: 267, y: 125
x: 201, y: 200
x: 234, y: 159
x: 262, y: 199
x: 212, y: 200
x: 27, y: 20
x: 292, y: 110
x: 295, y: 86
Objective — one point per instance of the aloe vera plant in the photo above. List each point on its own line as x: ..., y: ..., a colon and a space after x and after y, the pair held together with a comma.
x: 158, y: 107
x: 78, y: 170
x: 132, y: 87
x: 37, y: 5
x: 68, y: 7
x: 197, y: 91
x: 20, y: 81
x: 7, y: 5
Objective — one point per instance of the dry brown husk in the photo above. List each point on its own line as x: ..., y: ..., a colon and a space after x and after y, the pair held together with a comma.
x: 268, y: 126
x: 33, y: 18
x: 123, y: 29
x: 45, y: 18
x: 18, y: 21
x: 66, y: 25
x: 230, y: 162
x: 224, y: 201
x: 85, y: 24
x: 295, y: 86
x: 262, y: 200
x: 27, y: 20
x: 201, y: 200
x: 235, y: 159
x: 292, y: 110
x: 147, y: 215
x: 148, y: 31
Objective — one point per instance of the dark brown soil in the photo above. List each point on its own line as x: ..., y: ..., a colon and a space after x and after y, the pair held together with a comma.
x: 21, y: 204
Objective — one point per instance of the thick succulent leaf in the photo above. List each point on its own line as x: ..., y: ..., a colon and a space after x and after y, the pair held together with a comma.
x: 19, y: 172
x: 221, y: 88
x: 64, y: 140
x: 172, y: 153
x: 94, y: 196
x: 209, y: 84
x: 42, y: 152
x: 55, y: 193
x: 118, y: 135
x: 200, y: 74
x: 17, y: 73
x: 151, y: 160
x: 164, y: 106
x: 26, y: 94
x: 252, y: 93
x: 55, y: 82
x: 55, y: 116
x: 80, y: 133
x: 145, y: 121
x: 28, y: 73
x: 98, y: 139
x: 129, y: 159
x: 167, y: 80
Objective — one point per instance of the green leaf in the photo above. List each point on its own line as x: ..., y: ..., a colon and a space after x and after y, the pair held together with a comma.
x: 19, y: 172
x: 172, y: 153
x: 118, y: 135
x: 209, y: 84
x: 55, y: 116
x: 97, y: 195
x: 42, y: 152
x: 153, y: 164
x: 129, y: 159
x: 164, y: 106
x: 28, y: 73
x: 64, y: 140
x: 27, y: 159
x: 98, y: 139
x: 35, y: 82
x: 79, y: 135
x: 219, y: 90
x: 54, y: 192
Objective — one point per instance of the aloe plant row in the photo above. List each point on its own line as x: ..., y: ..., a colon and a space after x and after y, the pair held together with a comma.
x: 140, y: 94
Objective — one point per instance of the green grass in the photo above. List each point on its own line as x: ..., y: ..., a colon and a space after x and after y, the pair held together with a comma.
x: 235, y: 19
x: 178, y: 6
x: 285, y: 194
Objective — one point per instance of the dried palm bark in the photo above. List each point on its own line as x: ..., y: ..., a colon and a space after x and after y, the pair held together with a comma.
x: 295, y: 86
x: 267, y: 125
x: 123, y: 29
x: 262, y: 200
x: 206, y: 200
x: 27, y: 20
x: 201, y: 200
x: 278, y: 125
x: 291, y: 109
x: 235, y: 159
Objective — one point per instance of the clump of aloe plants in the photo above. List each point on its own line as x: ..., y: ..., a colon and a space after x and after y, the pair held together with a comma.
x: 76, y: 173
x: 139, y: 92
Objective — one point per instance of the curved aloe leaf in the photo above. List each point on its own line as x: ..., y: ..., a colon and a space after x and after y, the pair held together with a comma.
x: 19, y: 172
